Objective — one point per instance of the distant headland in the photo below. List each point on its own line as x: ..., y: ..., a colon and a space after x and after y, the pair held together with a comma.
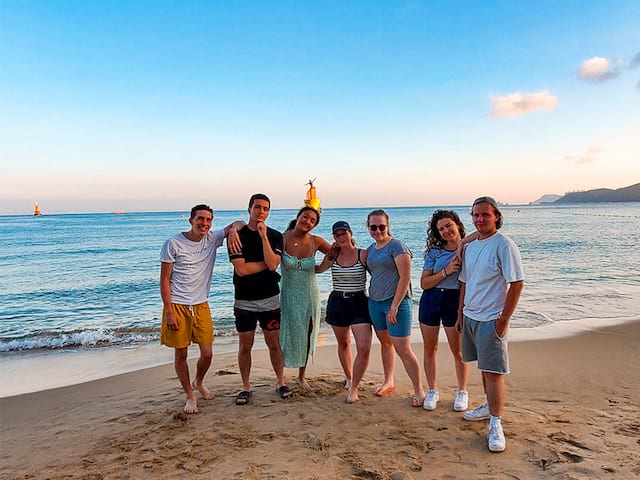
x: 598, y: 195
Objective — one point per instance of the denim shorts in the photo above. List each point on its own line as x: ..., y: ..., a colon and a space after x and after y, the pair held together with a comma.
x: 378, y: 312
x: 439, y: 304
x: 481, y: 342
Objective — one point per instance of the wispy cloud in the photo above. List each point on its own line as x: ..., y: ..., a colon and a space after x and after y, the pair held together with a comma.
x: 599, y: 69
x: 590, y: 155
x: 516, y: 104
x: 635, y: 61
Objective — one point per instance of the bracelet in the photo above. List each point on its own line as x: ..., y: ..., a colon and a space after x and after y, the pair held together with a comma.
x: 444, y: 273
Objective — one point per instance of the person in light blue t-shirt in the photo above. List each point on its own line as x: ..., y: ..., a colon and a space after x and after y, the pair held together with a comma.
x: 439, y: 302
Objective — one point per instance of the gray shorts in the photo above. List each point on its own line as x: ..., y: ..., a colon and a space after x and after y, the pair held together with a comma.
x: 481, y: 342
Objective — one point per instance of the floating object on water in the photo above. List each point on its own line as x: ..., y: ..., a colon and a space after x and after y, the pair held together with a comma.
x: 311, y: 200
x: 36, y: 209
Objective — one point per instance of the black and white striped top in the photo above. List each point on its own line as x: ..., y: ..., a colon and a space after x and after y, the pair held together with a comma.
x: 349, y: 279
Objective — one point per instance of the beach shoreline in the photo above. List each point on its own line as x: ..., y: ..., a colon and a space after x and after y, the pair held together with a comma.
x: 571, y: 412
x: 30, y: 372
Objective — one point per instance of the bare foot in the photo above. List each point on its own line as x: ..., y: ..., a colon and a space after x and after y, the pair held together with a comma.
x: 303, y: 384
x: 347, y: 384
x: 192, y: 404
x: 352, y: 397
x: 204, y: 391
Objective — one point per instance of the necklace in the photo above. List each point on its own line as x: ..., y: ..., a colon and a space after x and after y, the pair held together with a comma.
x: 296, y: 242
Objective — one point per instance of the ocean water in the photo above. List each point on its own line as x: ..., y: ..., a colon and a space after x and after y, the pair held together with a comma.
x: 91, y: 281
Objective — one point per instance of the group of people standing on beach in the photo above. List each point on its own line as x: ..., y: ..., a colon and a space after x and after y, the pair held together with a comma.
x: 471, y: 286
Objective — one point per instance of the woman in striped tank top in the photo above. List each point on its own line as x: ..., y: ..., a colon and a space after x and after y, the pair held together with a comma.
x: 347, y: 308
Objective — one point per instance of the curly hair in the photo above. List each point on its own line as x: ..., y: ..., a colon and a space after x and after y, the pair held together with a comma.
x: 434, y: 239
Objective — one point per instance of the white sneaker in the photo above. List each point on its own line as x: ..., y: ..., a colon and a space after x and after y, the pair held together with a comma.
x: 481, y: 412
x: 431, y: 400
x: 461, y: 403
x: 496, y: 440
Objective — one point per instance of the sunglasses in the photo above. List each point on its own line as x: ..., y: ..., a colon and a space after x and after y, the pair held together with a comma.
x: 375, y: 228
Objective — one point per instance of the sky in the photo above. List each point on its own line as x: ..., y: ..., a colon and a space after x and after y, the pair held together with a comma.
x: 158, y: 105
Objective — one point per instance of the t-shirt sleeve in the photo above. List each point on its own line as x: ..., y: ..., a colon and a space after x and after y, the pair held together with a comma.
x: 430, y: 260
x: 397, y: 248
x: 235, y: 256
x: 218, y: 238
x: 510, y: 261
x: 167, y: 254
x: 462, y: 276
x: 277, y: 242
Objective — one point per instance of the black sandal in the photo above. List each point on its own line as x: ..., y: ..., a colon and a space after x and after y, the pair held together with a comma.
x: 243, y: 397
x: 284, y: 392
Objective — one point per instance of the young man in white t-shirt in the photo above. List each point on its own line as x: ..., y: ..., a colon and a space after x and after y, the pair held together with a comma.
x: 491, y: 281
x: 187, y: 261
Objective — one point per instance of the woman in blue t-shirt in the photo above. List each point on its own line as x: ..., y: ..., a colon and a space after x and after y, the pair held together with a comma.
x: 389, y: 262
x: 439, y: 302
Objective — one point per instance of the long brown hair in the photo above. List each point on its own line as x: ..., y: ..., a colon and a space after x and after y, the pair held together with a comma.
x: 434, y: 239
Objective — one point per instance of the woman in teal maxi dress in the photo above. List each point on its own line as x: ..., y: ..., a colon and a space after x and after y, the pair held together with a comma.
x: 299, y: 295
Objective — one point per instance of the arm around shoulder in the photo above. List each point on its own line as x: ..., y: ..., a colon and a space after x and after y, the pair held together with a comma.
x: 322, y: 244
x: 327, y: 261
x: 237, y: 225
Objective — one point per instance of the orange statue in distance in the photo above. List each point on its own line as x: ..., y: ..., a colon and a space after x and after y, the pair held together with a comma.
x: 311, y: 200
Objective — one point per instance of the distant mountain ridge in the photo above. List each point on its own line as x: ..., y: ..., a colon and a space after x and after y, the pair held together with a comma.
x: 625, y: 194
x: 546, y: 198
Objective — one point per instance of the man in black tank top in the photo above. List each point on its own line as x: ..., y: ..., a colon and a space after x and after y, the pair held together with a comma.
x: 257, y: 294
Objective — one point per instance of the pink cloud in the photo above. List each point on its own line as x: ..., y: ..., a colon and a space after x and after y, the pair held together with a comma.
x: 517, y: 104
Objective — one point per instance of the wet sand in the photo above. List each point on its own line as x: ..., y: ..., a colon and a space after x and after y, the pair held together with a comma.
x: 573, y: 411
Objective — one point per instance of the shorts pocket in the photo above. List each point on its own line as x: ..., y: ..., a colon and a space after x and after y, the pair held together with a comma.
x: 495, y: 332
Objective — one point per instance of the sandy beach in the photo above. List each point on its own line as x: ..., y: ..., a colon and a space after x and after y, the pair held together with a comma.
x: 573, y: 411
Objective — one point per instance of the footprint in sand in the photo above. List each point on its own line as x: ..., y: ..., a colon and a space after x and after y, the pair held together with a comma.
x: 570, y: 439
x: 180, y: 417
x: 572, y: 457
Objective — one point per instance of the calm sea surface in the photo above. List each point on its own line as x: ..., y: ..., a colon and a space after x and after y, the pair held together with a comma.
x: 89, y: 281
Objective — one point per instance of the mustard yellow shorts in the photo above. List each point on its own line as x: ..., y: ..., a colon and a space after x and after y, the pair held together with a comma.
x: 195, y: 325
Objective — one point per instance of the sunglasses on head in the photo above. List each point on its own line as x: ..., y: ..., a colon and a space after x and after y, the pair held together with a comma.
x: 375, y: 228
